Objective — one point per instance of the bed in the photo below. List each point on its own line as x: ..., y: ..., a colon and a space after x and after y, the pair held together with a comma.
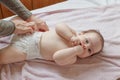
x: 103, y: 15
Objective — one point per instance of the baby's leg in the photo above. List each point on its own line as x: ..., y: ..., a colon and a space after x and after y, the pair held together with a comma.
x: 11, y: 55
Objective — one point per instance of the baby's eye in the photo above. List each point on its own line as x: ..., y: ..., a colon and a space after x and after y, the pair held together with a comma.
x: 86, y: 41
x: 89, y: 50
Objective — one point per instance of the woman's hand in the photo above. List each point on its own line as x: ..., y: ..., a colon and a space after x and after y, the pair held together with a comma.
x: 23, y: 27
x: 40, y: 24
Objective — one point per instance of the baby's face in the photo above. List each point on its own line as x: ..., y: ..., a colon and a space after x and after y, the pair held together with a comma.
x: 91, y: 44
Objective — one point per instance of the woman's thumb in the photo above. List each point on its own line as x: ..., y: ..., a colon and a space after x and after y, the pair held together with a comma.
x: 30, y: 24
x: 28, y: 30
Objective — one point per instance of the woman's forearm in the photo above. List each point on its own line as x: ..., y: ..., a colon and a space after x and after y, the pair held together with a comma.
x: 6, y: 28
x: 18, y: 8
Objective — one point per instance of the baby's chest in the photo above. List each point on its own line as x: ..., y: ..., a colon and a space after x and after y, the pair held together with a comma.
x: 54, y: 42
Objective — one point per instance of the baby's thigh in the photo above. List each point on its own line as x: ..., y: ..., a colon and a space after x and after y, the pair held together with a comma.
x: 10, y: 55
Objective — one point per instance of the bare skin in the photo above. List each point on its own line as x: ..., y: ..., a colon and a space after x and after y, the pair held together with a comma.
x: 61, y: 45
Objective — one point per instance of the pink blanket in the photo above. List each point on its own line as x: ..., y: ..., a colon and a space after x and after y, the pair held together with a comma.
x: 103, y: 66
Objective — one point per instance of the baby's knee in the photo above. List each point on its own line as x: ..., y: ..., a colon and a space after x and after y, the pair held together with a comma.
x: 2, y: 60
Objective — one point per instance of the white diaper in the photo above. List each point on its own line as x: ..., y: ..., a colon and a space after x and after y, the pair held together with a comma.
x: 29, y: 44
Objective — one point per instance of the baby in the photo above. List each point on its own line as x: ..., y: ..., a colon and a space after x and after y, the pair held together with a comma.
x: 62, y: 45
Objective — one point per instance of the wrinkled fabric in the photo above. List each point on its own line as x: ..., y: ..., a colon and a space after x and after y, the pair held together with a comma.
x: 103, y: 66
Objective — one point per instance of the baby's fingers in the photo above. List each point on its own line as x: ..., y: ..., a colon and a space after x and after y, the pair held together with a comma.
x: 74, y: 43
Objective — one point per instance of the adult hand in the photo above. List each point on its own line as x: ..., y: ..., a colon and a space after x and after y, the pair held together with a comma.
x: 23, y: 27
x: 40, y: 24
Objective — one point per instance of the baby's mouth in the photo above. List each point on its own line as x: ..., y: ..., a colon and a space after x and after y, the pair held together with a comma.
x: 80, y: 44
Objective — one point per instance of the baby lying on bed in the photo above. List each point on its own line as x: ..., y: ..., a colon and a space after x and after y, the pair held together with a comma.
x: 62, y: 45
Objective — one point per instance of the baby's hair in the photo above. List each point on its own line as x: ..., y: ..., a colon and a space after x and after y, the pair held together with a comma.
x: 98, y: 33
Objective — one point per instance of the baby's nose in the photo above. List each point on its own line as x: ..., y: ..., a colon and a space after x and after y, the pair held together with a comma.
x: 84, y: 46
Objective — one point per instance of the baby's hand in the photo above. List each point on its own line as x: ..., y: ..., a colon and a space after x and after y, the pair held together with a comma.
x: 79, y: 50
x: 75, y: 40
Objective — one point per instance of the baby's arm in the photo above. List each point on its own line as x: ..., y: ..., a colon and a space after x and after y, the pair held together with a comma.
x: 68, y: 55
x: 65, y: 31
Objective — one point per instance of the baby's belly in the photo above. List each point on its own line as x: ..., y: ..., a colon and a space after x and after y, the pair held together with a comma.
x: 49, y: 49
x: 50, y: 45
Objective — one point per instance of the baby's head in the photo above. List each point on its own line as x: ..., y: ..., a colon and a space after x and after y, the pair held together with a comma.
x: 92, y: 42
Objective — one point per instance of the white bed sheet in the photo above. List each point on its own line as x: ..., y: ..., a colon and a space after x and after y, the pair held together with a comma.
x: 104, y: 66
x: 73, y: 4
